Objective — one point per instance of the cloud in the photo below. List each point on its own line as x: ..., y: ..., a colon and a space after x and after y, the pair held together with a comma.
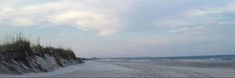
x: 96, y: 16
x: 197, y: 19
x: 213, y: 10
x: 146, y: 26
x: 22, y: 22
x: 108, y: 17
x: 88, y: 21
x: 181, y: 26
x: 170, y: 23
x: 63, y: 34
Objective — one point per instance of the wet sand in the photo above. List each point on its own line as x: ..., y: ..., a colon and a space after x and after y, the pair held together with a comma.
x: 179, y: 68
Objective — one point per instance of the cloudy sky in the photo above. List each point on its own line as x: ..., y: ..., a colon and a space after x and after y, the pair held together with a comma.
x: 115, y: 28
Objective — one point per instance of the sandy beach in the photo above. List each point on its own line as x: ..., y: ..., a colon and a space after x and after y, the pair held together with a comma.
x: 141, y: 69
x: 117, y: 38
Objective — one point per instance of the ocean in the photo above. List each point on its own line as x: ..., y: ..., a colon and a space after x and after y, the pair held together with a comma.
x: 192, y: 58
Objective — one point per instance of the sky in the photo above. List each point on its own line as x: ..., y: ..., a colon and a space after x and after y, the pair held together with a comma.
x: 124, y: 28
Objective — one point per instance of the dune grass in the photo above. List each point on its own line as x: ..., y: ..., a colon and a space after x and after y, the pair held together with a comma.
x: 19, y: 46
x: 18, y: 55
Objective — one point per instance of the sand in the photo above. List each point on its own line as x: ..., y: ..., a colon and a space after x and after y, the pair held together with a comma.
x: 140, y: 69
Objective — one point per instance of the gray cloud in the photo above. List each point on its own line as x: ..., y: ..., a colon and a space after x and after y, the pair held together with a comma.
x: 94, y: 16
x: 130, y: 27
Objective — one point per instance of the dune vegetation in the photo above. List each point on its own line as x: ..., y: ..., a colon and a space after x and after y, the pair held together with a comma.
x: 18, y: 56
